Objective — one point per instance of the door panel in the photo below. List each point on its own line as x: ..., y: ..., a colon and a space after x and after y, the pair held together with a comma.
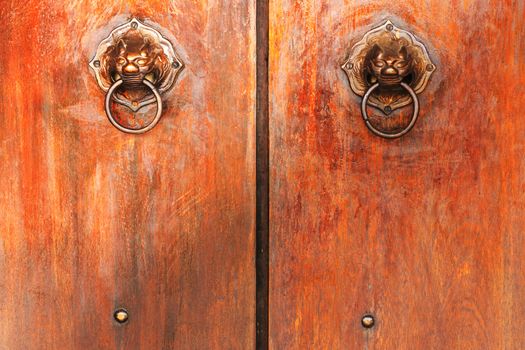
x: 94, y: 219
x: 425, y: 232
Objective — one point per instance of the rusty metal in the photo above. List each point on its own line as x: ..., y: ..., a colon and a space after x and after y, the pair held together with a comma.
x: 135, y: 65
x: 388, y: 67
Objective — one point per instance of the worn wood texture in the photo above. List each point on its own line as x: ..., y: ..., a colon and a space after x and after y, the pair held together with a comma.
x: 92, y: 218
x: 425, y: 232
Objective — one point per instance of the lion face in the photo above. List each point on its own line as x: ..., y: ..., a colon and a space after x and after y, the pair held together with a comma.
x: 389, y: 66
x: 134, y: 57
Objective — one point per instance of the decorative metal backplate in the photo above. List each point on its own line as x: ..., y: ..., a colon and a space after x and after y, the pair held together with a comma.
x: 385, y: 45
x: 159, y: 64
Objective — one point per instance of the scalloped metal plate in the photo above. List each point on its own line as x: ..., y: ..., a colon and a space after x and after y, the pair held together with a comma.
x: 354, y: 66
x: 175, y: 68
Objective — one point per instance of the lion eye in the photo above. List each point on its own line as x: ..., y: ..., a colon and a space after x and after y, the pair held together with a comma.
x: 121, y: 60
x: 401, y: 64
x: 144, y: 54
x: 142, y: 61
x: 379, y: 63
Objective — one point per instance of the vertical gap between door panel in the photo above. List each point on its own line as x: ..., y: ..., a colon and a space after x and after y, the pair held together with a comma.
x: 262, y: 175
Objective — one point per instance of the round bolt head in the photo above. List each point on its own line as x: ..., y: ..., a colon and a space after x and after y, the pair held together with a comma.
x: 349, y: 65
x: 175, y: 64
x: 368, y: 321
x: 430, y: 67
x: 121, y: 316
x: 388, y: 109
x: 389, y: 27
x: 96, y: 63
x: 134, y: 25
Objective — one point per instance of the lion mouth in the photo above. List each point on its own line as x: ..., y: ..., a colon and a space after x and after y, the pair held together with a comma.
x: 132, y: 80
x: 390, y: 80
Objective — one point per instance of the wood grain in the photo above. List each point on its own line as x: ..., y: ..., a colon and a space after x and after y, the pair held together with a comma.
x: 94, y: 219
x: 426, y: 231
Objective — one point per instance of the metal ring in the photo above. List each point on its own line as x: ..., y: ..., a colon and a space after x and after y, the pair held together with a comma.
x: 383, y: 134
x: 150, y: 126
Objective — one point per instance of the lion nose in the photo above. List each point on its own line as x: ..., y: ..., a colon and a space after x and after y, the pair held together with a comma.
x: 390, y: 71
x: 130, y: 68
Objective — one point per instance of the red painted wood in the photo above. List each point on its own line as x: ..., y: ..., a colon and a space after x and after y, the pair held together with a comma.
x: 426, y: 231
x: 94, y: 219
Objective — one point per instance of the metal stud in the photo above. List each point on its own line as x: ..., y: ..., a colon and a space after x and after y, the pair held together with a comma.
x: 121, y: 315
x: 368, y: 321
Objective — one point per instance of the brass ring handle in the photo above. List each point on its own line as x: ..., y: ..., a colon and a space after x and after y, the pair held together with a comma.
x: 132, y: 52
x: 390, y: 135
x: 390, y: 58
x: 148, y: 127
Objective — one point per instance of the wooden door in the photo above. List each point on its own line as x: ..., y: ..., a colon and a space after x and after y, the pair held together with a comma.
x: 423, y: 232
x: 94, y: 219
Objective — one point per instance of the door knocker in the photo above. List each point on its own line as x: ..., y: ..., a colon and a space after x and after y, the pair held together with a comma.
x: 389, y: 67
x: 135, y: 65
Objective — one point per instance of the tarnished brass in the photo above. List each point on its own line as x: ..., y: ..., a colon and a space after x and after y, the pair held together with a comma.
x: 368, y: 321
x: 388, y: 55
x: 135, y: 65
x: 395, y: 134
x: 121, y: 315
x: 389, y: 67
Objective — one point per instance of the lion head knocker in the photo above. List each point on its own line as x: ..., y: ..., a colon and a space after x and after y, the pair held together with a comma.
x: 135, y: 65
x: 388, y: 68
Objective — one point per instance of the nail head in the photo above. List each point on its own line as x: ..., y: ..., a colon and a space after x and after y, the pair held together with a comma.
x: 121, y: 316
x: 368, y: 321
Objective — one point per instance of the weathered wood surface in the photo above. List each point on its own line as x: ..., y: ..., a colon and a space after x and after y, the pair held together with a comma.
x: 427, y: 231
x: 93, y: 219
